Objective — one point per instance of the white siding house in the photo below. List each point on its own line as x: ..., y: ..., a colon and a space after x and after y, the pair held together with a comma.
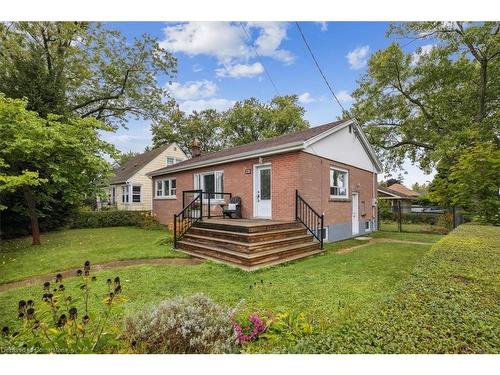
x: 130, y: 188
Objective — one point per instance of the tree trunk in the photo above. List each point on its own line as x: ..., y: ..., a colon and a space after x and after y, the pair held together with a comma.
x: 30, y: 202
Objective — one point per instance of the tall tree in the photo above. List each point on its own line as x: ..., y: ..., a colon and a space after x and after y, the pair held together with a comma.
x: 42, y: 157
x: 247, y: 121
x: 435, y: 104
x: 84, y: 69
x: 251, y: 120
x: 206, y: 126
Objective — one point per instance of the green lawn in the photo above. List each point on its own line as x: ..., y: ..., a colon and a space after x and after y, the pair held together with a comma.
x: 406, y: 236
x: 410, y: 228
x: 328, y: 288
x: 71, y: 248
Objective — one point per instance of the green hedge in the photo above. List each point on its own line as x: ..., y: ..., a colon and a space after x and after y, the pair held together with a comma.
x: 113, y: 218
x: 449, y: 304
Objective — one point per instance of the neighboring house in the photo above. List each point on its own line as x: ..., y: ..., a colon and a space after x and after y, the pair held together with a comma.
x: 333, y: 168
x: 130, y: 187
x: 398, y: 194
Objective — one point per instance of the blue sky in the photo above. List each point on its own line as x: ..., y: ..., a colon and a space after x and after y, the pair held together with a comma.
x: 217, y: 65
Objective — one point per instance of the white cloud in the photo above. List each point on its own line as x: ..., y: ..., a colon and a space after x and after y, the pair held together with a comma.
x: 192, y: 89
x: 228, y: 41
x: 197, y: 68
x: 198, y: 105
x: 358, y: 57
x: 271, y: 34
x: 221, y: 39
x: 306, y: 98
x: 421, y: 51
x: 240, y: 70
x: 344, y: 97
x: 323, y: 25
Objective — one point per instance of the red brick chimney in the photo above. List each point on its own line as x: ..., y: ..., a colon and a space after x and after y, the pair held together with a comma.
x: 195, y: 148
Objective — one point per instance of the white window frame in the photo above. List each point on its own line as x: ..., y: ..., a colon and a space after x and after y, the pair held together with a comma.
x: 125, y: 194
x: 198, y: 183
x: 165, y: 193
x: 132, y: 193
x: 346, y: 196
x: 173, y: 160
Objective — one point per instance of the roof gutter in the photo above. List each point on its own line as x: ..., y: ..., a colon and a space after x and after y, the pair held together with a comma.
x: 294, y: 146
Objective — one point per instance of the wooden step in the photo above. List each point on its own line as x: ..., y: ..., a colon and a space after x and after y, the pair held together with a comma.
x: 220, y: 258
x: 246, y: 247
x: 248, y: 237
x: 246, y: 259
x: 238, y: 227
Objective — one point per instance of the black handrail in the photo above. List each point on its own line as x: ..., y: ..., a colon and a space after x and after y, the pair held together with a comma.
x: 208, y: 199
x: 189, y: 215
x: 313, y: 221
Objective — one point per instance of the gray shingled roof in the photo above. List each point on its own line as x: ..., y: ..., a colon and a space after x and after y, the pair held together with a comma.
x: 134, y: 165
x: 300, y: 136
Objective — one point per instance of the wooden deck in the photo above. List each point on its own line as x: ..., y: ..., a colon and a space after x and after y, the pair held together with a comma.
x: 249, y: 244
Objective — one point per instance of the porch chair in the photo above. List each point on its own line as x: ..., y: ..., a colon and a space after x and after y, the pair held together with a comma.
x: 232, y: 209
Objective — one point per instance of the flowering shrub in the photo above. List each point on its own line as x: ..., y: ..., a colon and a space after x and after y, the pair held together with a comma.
x: 56, y: 325
x: 192, y: 324
x: 250, y: 329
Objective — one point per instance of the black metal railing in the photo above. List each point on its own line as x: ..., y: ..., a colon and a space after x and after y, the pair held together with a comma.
x: 190, y: 214
x: 213, y: 202
x: 306, y: 215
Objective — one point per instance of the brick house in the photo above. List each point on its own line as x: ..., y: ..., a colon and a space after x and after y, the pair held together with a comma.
x: 332, y: 167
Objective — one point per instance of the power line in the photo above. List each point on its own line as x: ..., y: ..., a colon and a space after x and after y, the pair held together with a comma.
x: 260, y: 59
x: 321, y: 72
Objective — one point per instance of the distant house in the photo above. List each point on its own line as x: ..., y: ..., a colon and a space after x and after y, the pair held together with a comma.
x: 398, y: 193
x: 130, y: 188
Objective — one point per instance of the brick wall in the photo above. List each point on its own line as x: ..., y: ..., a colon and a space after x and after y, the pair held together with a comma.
x: 284, y: 181
x: 295, y: 170
x: 314, y: 187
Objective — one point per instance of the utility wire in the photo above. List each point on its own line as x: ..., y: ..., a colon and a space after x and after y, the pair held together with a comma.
x: 321, y: 72
x: 259, y: 58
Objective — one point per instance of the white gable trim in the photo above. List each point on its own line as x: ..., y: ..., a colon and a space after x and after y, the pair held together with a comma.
x: 360, y: 136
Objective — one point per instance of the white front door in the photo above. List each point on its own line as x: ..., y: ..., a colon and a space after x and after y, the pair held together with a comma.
x: 355, y: 213
x: 262, y: 191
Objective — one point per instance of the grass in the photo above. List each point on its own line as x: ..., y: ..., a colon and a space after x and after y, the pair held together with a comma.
x: 70, y: 248
x: 406, y: 236
x: 410, y: 228
x: 329, y: 288
x: 449, y: 304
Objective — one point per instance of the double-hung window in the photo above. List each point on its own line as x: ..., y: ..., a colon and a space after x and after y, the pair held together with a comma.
x: 166, y: 188
x: 171, y: 160
x: 125, y: 191
x: 339, y: 183
x: 136, y: 193
x: 211, y: 183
